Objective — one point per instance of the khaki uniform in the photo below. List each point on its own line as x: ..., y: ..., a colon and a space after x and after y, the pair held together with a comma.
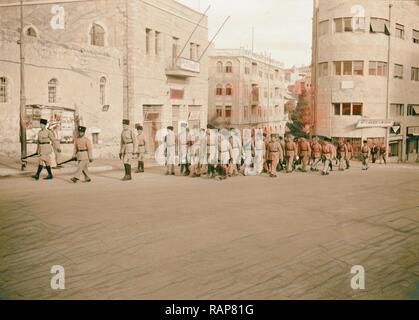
x: 316, y: 152
x: 305, y: 153
x: 350, y: 154
x: 365, y: 154
x: 342, y: 155
x: 274, y: 151
x: 142, y: 147
x: 83, y: 153
x: 291, y: 151
x: 327, y: 155
x: 47, y: 143
x: 128, y: 145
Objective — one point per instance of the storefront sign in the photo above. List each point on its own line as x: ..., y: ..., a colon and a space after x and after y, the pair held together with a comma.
x: 374, y: 123
x: 189, y: 65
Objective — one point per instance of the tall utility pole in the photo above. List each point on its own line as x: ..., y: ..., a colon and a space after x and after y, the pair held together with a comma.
x: 387, y: 142
x: 22, y: 88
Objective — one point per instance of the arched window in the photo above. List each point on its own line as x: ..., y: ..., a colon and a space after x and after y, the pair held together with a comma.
x: 219, y: 67
x: 97, y: 35
x: 102, y: 86
x: 4, y: 90
x: 229, y: 67
x: 52, y: 91
x: 229, y: 90
x: 219, y: 90
x: 31, y: 32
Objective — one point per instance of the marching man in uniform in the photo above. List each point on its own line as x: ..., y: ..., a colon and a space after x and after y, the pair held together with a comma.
x: 342, y: 154
x: 327, y: 155
x: 350, y: 154
x: 128, y: 148
x: 83, y: 154
x: 365, y: 154
x: 44, y: 149
x: 316, y: 149
x: 142, y: 148
x: 291, y: 151
x: 305, y: 153
x: 274, y: 151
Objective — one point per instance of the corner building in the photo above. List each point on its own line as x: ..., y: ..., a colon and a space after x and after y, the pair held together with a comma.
x: 366, y: 73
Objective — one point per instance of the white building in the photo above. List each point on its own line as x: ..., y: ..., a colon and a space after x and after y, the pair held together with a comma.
x: 366, y: 72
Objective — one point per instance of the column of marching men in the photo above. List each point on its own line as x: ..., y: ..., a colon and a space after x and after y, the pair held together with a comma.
x: 211, y: 153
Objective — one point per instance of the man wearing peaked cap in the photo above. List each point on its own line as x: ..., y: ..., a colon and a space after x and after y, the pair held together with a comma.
x: 128, y: 148
x: 170, y: 142
x: 84, y: 155
x: 44, y: 149
x: 142, y: 147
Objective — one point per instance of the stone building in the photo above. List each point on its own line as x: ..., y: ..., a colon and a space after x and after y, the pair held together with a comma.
x: 246, y: 90
x: 160, y: 86
x: 366, y: 72
x: 66, y: 83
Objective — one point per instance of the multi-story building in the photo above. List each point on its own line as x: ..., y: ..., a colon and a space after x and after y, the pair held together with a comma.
x: 366, y: 72
x: 246, y: 90
x: 160, y: 55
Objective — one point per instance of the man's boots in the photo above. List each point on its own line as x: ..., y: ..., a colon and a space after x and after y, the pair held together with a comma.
x: 49, y: 177
x: 127, y: 176
x: 36, y: 176
x: 141, y: 166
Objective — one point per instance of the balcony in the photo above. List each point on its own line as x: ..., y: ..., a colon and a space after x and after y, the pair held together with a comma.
x: 184, y: 68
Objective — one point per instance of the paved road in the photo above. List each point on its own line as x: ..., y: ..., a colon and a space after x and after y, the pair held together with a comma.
x: 157, y: 237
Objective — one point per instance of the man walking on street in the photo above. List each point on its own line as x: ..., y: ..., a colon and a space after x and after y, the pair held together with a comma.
x: 84, y: 155
x: 342, y: 154
x: 170, y: 141
x: 374, y: 152
x: 273, y: 156
x: 128, y: 148
x: 350, y: 153
x: 316, y: 152
x: 45, y: 150
x: 305, y: 153
x: 365, y: 154
x: 142, y: 147
x: 327, y: 155
x: 383, y: 154
x: 291, y: 151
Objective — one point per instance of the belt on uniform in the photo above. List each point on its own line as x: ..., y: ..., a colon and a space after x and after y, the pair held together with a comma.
x: 128, y: 143
x: 44, y: 143
x: 83, y: 150
x: 273, y: 151
x: 141, y: 145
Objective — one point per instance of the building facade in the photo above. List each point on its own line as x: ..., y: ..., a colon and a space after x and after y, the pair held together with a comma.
x: 365, y: 72
x: 67, y: 84
x: 163, y: 62
x: 246, y: 90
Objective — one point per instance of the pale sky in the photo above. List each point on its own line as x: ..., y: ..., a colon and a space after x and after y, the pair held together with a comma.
x: 282, y: 27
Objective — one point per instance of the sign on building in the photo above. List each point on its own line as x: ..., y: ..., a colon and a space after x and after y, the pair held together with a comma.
x: 374, y: 123
x: 189, y: 65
